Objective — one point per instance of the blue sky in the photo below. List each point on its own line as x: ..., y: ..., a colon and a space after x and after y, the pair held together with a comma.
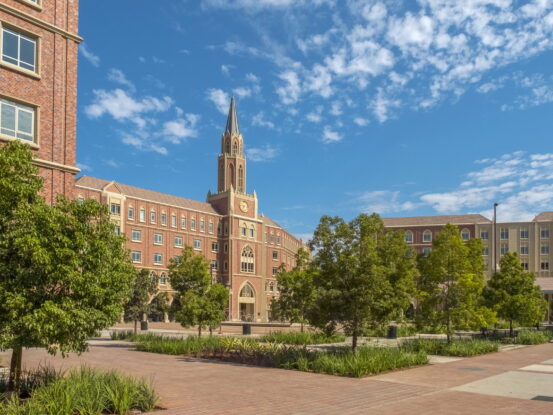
x: 406, y: 108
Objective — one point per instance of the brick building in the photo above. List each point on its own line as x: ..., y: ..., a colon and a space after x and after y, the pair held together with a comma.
x: 244, y: 247
x: 38, y: 85
x: 532, y: 240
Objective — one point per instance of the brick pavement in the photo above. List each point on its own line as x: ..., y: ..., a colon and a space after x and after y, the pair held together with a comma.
x: 194, y: 387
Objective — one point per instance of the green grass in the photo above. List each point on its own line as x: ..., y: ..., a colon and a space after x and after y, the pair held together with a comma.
x: 128, y: 335
x: 190, y: 346
x: 303, y: 338
x: 464, y: 348
x: 85, y: 391
x: 530, y: 337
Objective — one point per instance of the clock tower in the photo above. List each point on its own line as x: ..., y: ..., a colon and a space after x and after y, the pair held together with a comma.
x: 232, y: 163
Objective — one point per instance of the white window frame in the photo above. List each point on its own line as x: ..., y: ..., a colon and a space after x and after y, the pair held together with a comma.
x: 164, y: 218
x: 524, y: 250
x: 139, y: 233
x: 142, y: 215
x: 158, y: 238
x: 544, y: 233
x: 484, y: 235
x: 427, y: 233
x: 192, y: 223
x: 504, y: 233
x: 130, y: 213
x: 544, y: 249
x: 173, y: 220
x: 524, y: 233
x: 183, y: 222
x: 210, y: 227
x: 214, y: 246
x: 19, y: 107
x: 178, y: 241
x: 153, y: 216
x: 22, y: 35
x: 197, y: 244
x: 202, y: 225
x: 158, y: 259
x: 409, y: 237
x: 115, y: 208
x: 136, y: 257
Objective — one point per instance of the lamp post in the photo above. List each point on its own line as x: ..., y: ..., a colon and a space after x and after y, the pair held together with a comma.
x: 495, y: 237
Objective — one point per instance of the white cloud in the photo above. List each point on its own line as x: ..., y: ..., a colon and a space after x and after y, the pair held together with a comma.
x: 257, y: 5
x: 220, y: 98
x: 117, y: 76
x: 84, y: 167
x: 181, y: 128
x: 315, y: 115
x: 290, y: 92
x: 88, y: 55
x: 259, y: 120
x: 382, y: 202
x: 361, y: 122
x: 331, y: 136
x: 242, y: 92
x: 225, y: 69
x: 260, y: 154
x: 336, y: 108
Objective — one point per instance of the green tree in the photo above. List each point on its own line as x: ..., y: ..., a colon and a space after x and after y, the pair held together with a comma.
x: 513, y: 293
x: 142, y: 288
x: 201, y: 303
x: 451, y: 283
x: 364, y: 274
x: 296, y: 291
x: 64, y: 273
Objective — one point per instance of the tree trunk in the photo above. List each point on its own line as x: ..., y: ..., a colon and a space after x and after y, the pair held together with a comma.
x: 354, y: 339
x: 15, y: 368
x: 199, y: 331
x: 448, y: 328
x: 301, y: 326
x: 135, y: 326
x: 510, y: 328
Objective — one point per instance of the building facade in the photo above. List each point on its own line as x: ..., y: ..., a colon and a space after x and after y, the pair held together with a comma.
x: 245, y: 248
x: 38, y: 85
x: 531, y: 240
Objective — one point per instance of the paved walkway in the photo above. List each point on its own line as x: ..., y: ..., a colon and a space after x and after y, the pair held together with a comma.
x: 511, y: 382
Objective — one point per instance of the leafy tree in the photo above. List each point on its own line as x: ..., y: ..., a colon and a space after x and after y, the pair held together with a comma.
x: 201, y: 302
x: 513, y: 293
x: 143, y: 287
x: 451, y: 283
x: 64, y: 273
x: 364, y: 274
x: 160, y: 306
x: 296, y: 291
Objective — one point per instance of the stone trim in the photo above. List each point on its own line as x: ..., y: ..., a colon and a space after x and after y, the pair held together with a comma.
x: 57, y: 166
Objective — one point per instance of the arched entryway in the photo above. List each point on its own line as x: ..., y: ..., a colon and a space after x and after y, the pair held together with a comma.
x: 246, y: 303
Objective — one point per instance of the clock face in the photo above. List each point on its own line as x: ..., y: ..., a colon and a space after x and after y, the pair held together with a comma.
x: 244, y: 206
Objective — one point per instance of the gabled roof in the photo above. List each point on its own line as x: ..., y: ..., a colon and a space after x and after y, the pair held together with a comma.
x: 436, y: 220
x: 269, y: 222
x: 147, y: 195
x: 232, y: 120
x: 544, y: 217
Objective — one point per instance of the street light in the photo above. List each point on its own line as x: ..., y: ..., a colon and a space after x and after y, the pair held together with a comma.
x: 495, y: 237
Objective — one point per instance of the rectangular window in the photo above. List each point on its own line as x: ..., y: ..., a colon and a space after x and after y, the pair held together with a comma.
x: 427, y: 236
x: 115, y: 209
x: 426, y: 251
x: 504, y: 248
x: 278, y: 239
x: 17, y: 120
x: 19, y: 49
x: 524, y: 234
x: 158, y: 239
x: 524, y: 266
x: 130, y: 214
x: 226, y: 248
x: 544, y: 233
x: 142, y: 215
x: 214, y: 247
x: 136, y: 256
x: 193, y: 224
x: 544, y: 250
x: 118, y: 230
x: 153, y: 217
x: 183, y: 222
x: 214, y: 266
x: 524, y: 250
x: 252, y: 232
x: 545, y: 266
x: 178, y: 241
x: 409, y: 237
x: 465, y: 235
x: 484, y: 235
x: 219, y: 228
x: 210, y: 227
x: 158, y: 259
x: 197, y: 244
x: 174, y: 221
x: 275, y: 255
x: 136, y: 235
x: 202, y: 225
x: 275, y: 270
x: 504, y: 233
x: 243, y: 230
x: 485, y: 251
x: 164, y: 218
x: 226, y: 266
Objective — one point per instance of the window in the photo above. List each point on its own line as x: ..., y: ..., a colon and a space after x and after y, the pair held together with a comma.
x: 252, y: 231
x: 17, y: 120
x: 174, y: 221
x: 219, y: 228
x: 18, y: 49
x: 177, y: 259
x: 158, y: 259
x: 214, y: 266
x: 504, y: 233
x: 504, y: 248
x: 246, y: 291
x: 202, y: 225
x: 163, y: 278
x: 524, y: 234
x: 524, y: 250
x: 235, y: 148
x: 226, y: 248
x: 226, y: 266
x: 544, y: 233
x: 153, y: 277
x: 142, y: 214
x: 427, y: 236
x: 409, y: 237
x: 197, y: 244
x: 136, y: 235
x: 115, y: 209
x: 136, y: 256
x: 484, y: 235
x: 545, y: 266
x: 485, y: 251
x: 210, y: 228
x: 226, y: 228
x: 275, y: 255
x: 426, y: 251
x: 544, y: 250
x: 153, y: 217
x: 243, y: 230
x: 118, y: 230
x: 275, y: 271
x: 130, y: 214
x: 524, y: 266
x: 183, y: 222
x: 178, y: 241
x: 247, y: 260
x: 193, y: 224
x: 214, y: 247
x: 278, y: 239
x: 158, y: 239
x: 164, y: 218
x: 465, y: 235
x: 80, y: 199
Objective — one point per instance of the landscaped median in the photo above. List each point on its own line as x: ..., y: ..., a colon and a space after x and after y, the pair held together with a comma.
x: 461, y: 347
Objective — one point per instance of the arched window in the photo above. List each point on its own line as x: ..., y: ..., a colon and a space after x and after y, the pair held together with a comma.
x: 231, y: 175
x: 247, y: 260
x: 427, y: 236
x: 252, y: 231
x: 240, y: 179
x: 409, y: 237
x: 465, y: 234
x: 163, y: 278
x: 153, y: 276
x: 271, y: 286
x: 235, y: 148
x: 227, y: 147
x: 246, y: 291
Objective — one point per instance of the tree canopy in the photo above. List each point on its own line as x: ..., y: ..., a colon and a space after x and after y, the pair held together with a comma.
x: 142, y: 289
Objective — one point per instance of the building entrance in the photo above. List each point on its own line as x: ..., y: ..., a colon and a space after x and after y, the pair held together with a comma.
x: 246, y: 312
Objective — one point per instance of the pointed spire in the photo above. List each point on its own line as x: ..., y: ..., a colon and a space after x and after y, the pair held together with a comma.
x: 232, y: 120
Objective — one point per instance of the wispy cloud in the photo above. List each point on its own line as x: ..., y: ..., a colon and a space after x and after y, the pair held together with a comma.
x: 219, y: 98
x: 331, y: 136
x: 88, y: 55
x: 260, y: 121
x: 261, y: 154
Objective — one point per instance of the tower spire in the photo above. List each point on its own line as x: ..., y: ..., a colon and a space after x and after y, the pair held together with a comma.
x: 232, y: 120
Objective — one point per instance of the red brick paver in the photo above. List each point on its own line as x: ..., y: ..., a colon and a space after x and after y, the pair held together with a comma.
x: 193, y: 387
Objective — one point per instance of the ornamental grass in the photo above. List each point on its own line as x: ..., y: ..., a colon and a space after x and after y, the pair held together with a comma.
x: 304, y: 338
x: 457, y: 347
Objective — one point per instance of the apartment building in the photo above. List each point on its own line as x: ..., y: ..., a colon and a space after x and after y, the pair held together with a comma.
x: 38, y: 85
x: 244, y: 247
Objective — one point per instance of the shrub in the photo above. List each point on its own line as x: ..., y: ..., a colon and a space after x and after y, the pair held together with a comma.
x: 190, y: 346
x: 303, y: 338
x: 461, y: 347
x: 531, y: 337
